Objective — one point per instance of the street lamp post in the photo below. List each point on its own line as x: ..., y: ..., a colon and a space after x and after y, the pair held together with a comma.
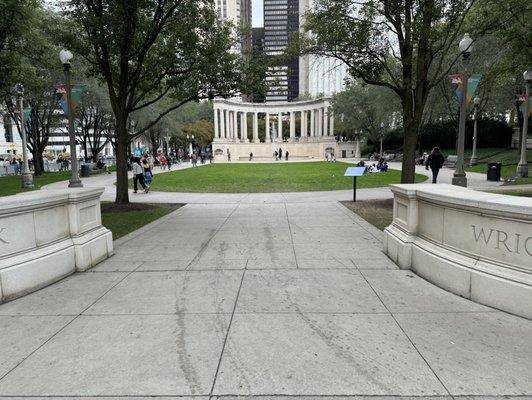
x: 66, y: 56
x: 522, y: 167
x: 474, y: 160
x: 459, y: 177
x: 26, y: 175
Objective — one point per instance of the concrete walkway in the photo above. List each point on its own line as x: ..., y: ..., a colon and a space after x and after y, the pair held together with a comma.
x: 281, y: 300
x: 107, y: 181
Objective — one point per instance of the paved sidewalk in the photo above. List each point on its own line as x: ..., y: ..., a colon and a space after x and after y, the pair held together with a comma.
x: 275, y: 299
x: 107, y: 181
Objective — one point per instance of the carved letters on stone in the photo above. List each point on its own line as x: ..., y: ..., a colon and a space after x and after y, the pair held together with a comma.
x: 3, y: 233
x: 514, y: 243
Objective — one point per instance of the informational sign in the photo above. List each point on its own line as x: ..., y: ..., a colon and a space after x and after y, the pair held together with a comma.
x: 354, y: 171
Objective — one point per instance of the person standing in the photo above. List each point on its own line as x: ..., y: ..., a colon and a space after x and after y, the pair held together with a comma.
x: 148, y: 175
x: 228, y: 155
x: 280, y: 154
x: 138, y: 175
x: 286, y: 155
x: 435, y: 161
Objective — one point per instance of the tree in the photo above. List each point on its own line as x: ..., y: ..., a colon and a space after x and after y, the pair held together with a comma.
x: 95, y: 123
x: 365, y: 112
x: 398, y: 45
x: 145, y: 51
x: 16, y: 20
x: 202, y: 130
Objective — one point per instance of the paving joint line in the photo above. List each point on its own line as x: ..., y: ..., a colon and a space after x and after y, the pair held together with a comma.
x: 66, y: 325
x: 291, y: 236
x: 408, y: 337
x: 227, y: 335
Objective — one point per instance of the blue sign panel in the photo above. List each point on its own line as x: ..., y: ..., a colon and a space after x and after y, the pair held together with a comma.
x: 354, y: 171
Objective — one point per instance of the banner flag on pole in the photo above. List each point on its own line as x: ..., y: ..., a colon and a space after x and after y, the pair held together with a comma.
x: 522, y: 107
x: 76, y: 94
x: 472, y: 84
x: 27, y: 114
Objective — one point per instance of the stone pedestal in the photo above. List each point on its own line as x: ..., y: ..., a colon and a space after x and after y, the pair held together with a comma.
x: 47, y: 235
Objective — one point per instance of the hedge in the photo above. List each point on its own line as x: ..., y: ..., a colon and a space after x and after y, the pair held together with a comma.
x: 491, y: 133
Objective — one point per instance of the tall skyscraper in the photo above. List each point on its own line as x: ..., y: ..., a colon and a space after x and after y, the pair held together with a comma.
x: 239, y: 13
x: 281, y: 23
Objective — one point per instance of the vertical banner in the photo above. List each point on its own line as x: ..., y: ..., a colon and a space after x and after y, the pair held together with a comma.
x: 522, y: 107
x: 76, y: 93
x: 472, y: 85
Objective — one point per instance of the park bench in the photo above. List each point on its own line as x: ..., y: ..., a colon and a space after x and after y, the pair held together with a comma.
x: 451, y: 160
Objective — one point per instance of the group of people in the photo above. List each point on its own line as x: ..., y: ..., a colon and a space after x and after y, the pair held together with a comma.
x: 278, y: 155
x: 142, y: 168
x: 330, y: 157
x: 14, y: 162
x: 382, y: 166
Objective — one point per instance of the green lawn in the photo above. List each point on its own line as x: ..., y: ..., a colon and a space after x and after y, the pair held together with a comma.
x: 12, y: 184
x: 122, y: 220
x: 269, y: 178
x: 509, y: 159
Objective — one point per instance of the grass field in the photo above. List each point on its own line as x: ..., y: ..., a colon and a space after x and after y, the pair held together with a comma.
x: 378, y: 213
x: 509, y: 159
x: 12, y: 184
x: 269, y: 178
x: 122, y: 220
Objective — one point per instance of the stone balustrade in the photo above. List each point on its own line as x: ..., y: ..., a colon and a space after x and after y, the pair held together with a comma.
x: 48, y: 234
x: 477, y: 245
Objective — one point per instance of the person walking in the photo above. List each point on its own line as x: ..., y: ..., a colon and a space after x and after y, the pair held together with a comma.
x: 280, y: 154
x: 286, y: 155
x: 435, y: 161
x: 148, y: 175
x: 138, y: 175
x: 228, y: 155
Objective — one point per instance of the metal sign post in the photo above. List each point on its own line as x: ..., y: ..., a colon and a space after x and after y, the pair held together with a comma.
x: 354, y: 172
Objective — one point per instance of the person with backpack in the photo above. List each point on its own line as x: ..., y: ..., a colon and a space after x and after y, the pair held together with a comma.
x: 435, y: 162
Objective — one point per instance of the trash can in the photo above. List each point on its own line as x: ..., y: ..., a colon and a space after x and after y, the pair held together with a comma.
x: 494, y: 171
x: 85, y: 170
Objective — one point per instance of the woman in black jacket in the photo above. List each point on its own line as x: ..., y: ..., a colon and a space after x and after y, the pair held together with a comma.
x: 435, y: 162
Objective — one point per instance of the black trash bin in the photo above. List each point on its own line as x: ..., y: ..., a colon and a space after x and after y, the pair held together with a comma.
x: 85, y: 170
x: 494, y: 171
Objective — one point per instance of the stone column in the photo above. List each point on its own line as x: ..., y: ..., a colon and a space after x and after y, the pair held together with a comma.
x: 320, y: 122
x: 243, y: 135
x: 326, y: 122
x: 256, y: 127
x: 280, y: 127
x: 222, y: 123
x: 331, y: 129
x: 267, y: 129
x: 227, y: 125
x: 292, y: 126
x: 216, y: 127
x: 357, y: 148
x: 245, y: 125
x: 235, y: 126
x: 303, y: 125
x: 312, y: 123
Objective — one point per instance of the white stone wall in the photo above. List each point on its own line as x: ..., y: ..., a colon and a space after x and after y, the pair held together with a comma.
x: 47, y: 235
x: 477, y: 245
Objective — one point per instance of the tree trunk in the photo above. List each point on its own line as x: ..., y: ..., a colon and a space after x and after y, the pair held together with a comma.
x: 409, y: 150
x: 38, y: 162
x: 85, y: 155
x: 122, y: 141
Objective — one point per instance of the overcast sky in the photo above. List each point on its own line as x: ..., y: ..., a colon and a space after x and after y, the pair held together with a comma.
x: 256, y: 7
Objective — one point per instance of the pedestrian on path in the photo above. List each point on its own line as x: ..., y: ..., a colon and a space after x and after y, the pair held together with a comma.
x: 435, y: 162
x: 148, y: 175
x: 138, y: 175
x: 286, y: 155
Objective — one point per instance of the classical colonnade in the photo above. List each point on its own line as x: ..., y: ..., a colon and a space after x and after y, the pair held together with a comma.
x: 316, y: 120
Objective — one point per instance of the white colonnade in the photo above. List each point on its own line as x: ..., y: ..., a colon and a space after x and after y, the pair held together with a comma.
x: 314, y: 118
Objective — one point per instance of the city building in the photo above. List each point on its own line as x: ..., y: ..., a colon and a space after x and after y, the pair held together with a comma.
x: 281, y: 23
x: 10, y: 140
x: 238, y: 12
